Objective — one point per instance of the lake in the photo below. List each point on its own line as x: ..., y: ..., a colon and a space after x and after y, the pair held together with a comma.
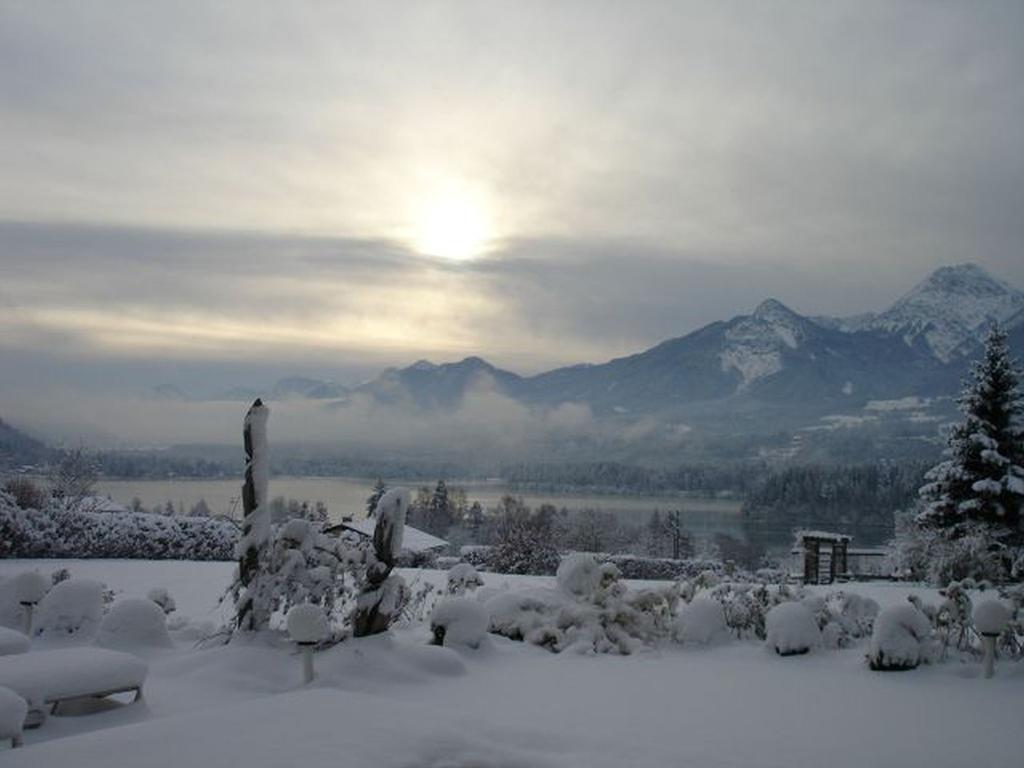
x: 347, y: 496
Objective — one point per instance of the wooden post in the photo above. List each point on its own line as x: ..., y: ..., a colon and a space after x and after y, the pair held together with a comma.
x: 255, y: 523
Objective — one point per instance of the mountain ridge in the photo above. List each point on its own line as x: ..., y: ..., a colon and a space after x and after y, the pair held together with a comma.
x: 920, y: 345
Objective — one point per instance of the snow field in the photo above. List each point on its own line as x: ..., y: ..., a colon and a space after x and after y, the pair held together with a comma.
x: 395, y: 700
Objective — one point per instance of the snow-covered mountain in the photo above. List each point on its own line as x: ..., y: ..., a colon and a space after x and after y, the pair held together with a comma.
x: 918, y: 347
x: 949, y: 311
x: 428, y: 385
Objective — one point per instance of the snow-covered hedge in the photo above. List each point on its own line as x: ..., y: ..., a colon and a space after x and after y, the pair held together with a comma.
x: 63, y: 533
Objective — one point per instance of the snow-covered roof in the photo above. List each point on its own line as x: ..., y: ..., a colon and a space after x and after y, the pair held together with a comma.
x: 100, y: 504
x: 414, y: 540
x: 822, y: 536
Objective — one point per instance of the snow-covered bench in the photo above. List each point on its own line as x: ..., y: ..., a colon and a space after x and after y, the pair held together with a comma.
x: 47, y: 678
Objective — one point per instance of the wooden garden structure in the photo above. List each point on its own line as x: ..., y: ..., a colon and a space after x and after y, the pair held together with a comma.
x: 824, y: 556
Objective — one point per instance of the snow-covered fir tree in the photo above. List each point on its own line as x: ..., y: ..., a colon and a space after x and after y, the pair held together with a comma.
x: 970, y: 524
x: 982, y: 478
x: 379, y: 489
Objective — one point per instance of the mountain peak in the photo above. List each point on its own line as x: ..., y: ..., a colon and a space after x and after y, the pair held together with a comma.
x: 951, y: 308
x: 773, y: 309
x: 960, y: 279
x: 423, y: 365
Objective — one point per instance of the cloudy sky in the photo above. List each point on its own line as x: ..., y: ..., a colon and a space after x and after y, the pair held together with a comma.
x: 216, y: 194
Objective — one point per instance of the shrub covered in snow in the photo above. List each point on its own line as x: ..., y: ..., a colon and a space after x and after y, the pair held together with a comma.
x: 12, y: 642
x: 162, y: 597
x: 134, y: 622
x: 307, y: 623
x: 702, y: 621
x: 791, y: 629
x: 13, y: 709
x: 582, y: 576
x: 462, y: 578
x: 70, y: 612
x: 459, y: 621
x: 901, y: 638
x: 612, y: 619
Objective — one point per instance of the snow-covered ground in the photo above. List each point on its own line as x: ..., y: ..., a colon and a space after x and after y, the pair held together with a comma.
x: 395, y: 701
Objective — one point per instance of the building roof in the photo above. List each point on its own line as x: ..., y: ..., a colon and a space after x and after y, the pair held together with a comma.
x: 822, y: 536
x: 413, y: 540
x: 99, y: 504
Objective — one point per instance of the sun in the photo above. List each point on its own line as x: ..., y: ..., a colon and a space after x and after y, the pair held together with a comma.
x: 453, y: 224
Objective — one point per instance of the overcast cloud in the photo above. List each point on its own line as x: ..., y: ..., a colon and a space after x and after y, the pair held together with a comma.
x: 205, y: 194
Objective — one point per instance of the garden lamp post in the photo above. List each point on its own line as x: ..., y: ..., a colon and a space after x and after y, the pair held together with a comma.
x: 30, y: 588
x: 307, y: 625
x: 990, y: 619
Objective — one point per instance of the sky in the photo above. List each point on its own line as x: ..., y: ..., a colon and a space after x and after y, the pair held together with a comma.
x: 218, y: 194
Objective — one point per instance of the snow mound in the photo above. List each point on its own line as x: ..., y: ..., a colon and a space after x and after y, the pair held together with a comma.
x: 13, y: 709
x: 459, y: 621
x: 134, y: 622
x: 900, y: 639
x: 70, y: 612
x: 581, y: 575
x: 307, y: 623
x: 702, y: 622
x: 791, y: 629
x: 163, y: 598
x: 991, y: 617
x: 463, y: 577
x: 12, y: 642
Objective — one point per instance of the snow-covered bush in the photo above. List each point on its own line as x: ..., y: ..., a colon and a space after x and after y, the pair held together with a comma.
x: 582, y: 576
x: 70, y: 612
x: 12, y: 642
x: 134, y: 622
x: 791, y: 629
x: 307, y: 623
x: 844, y: 618
x: 162, y: 597
x: 745, y: 604
x: 518, y: 614
x: 901, y: 638
x: 301, y: 564
x: 702, y: 621
x: 13, y: 709
x: 459, y: 621
x: 462, y: 578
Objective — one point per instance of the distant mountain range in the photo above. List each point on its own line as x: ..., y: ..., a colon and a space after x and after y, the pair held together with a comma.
x: 18, y: 449
x: 920, y: 347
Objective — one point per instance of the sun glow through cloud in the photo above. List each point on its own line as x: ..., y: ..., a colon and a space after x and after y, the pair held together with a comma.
x: 454, y: 224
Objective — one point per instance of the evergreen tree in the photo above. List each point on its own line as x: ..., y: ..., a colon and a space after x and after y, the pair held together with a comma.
x: 982, y: 480
x: 379, y: 489
x: 439, y: 511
